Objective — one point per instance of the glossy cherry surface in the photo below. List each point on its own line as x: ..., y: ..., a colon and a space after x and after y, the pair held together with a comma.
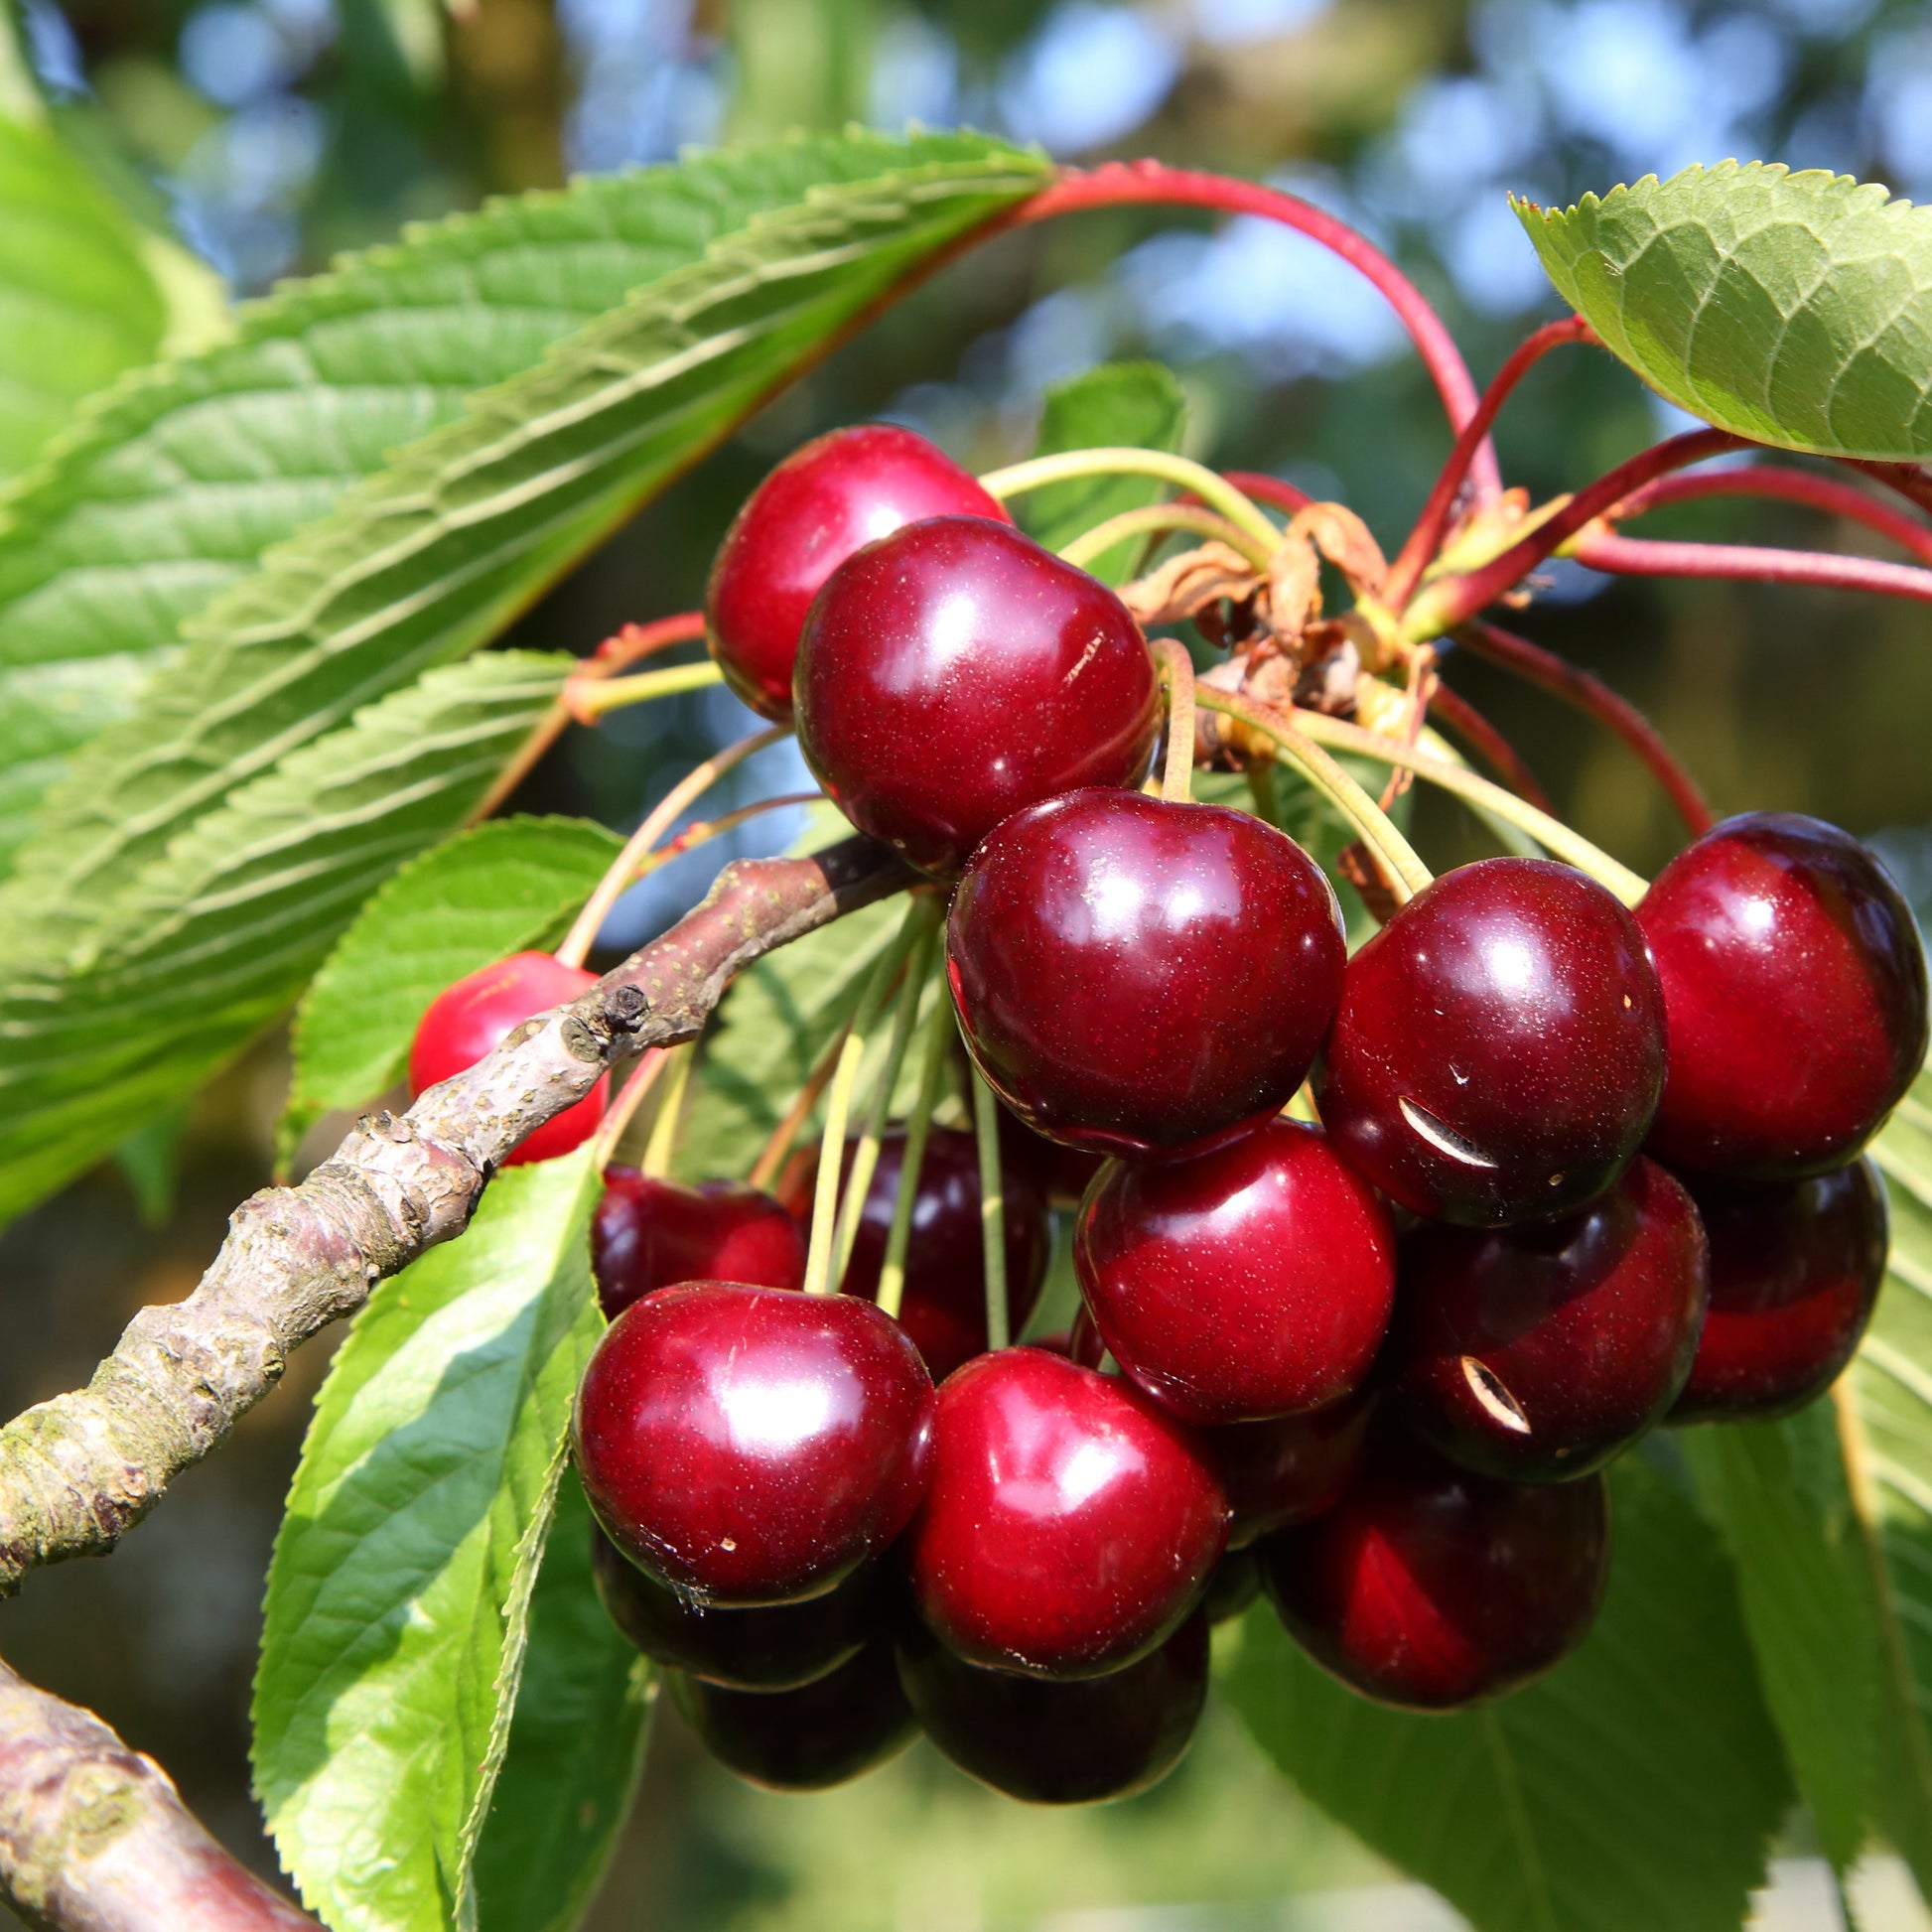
x: 806, y: 1739
x: 775, y: 1648
x: 823, y: 502
x: 1061, y: 1743
x: 1539, y: 1352
x: 649, y: 1234
x: 1143, y: 978
x: 1795, y: 1269
x: 1252, y: 1281
x: 955, y: 672
x: 1067, y: 1525
x: 1428, y: 1586
x: 1795, y: 991
x: 751, y: 1446
x: 1499, y: 1048
x: 471, y: 1018
x: 943, y: 1303
x: 1289, y: 1469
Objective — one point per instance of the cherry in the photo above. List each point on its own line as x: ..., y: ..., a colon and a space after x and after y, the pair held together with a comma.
x: 651, y: 1234
x: 805, y: 1739
x: 1428, y: 1587
x: 954, y: 672
x: 1143, y: 978
x: 802, y: 521
x: 1233, y: 1585
x: 1795, y: 1268
x: 1061, y: 1743
x: 943, y: 1306
x: 1062, y: 1174
x: 1252, y: 1281
x: 1539, y: 1352
x: 1067, y: 1526
x: 751, y: 1446
x: 1795, y: 989
x: 1499, y: 1049
x: 776, y: 1648
x: 475, y: 1014
x: 1291, y: 1468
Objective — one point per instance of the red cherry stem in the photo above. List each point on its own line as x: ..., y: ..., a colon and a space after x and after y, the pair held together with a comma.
x: 993, y: 1230
x: 1272, y: 490
x: 933, y: 1054
x: 1648, y: 557
x: 1178, y: 674
x: 1594, y: 699
x: 629, y: 1097
x: 1488, y: 744
x: 1826, y: 493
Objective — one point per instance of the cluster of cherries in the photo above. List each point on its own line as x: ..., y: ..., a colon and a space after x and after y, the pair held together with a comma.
x: 1580, y: 1171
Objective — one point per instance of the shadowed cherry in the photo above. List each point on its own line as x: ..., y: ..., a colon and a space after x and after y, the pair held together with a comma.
x: 1061, y: 1743
x: 1291, y: 1468
x: 1428, y: 1586
x: 1252, y: 1281
x: 1499, y: 1049
x: 1538, y: 1353
x: 1067, y: 1525
x: 953, y: 673
x: 751, y: 1446
x: 1234, y: 1584
x: 1795, y: 1270
x: 824, y: 501
x: 1795, y: 991
x: 651, y: 1234
x: 1062, y: 1174
x: 822, y: 1734
x: 474, y: 1015
x: 1143, y: 978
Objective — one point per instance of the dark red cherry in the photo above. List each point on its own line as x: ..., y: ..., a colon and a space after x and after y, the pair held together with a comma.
x: 1062, y: 1174
x: 748, y: 1444
x: 1252, y: 1281
x: 818, y: 506
x: 1795, y: 1268
x: 1234, y: 1584
x: 1539, y: 1352
x: 471, y: 1018
x: 1061, y: 1743
x: 1067, y: 1526
x: 1795, y: 991
x: 1428, y: 1586
x: 955, y: 672
x: 805, y: 1739
x: 1290, y: 1468
x: 1143, y: 978
x: 1083, y: 1343
x: 651, y: 1234
x: 943, y: 1306
x: 1499, y: 1049
x: 775, y: 1648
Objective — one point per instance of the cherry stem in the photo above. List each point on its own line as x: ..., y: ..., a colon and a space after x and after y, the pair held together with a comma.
x: 993, y: 1229
x: 1178, y: 674
x: 1150, y: 183
x: 919, y: 1131
x: 1069, y: 466
x: 1427, y: 537
x: 1163, y: 517
x: 662, y: 1143
x: 1825, y: 493
x: 624, y: 868
x: 1408, y: 874
x: 589, y: 702
x: 610, y: 1129
x: 1272, y: 490
x: 777, y: 1146
x: 1488, y: 744
x: 1648, y: 557
x: 819, y: 1279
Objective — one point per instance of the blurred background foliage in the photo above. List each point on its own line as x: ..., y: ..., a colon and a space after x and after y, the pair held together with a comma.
x: 268, y: 134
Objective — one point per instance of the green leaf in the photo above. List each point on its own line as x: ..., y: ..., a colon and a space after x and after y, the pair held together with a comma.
x: 399, y: 1595
x: 576, y: 1747
x: 243, y: 911
x: 487, y: 893
x: 1136, y: 405
x: 1637, y: 1786
x: 1792, y: 309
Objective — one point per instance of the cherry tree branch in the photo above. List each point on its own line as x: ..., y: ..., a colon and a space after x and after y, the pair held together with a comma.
x: 77, y: 1471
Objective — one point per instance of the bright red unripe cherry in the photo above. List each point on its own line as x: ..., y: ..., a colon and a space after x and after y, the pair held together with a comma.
x: 954, y: 672
x: 1067, y: 1525
x: 806, y: 1739
x: 1252, y: 1281
x: 751, y: 1446
x: 1061, y: 1743
x: 1143, y: 978
x: 820, y: 504
x: 649, y: 1234
x: 474, y: 1015
x: 1428, y: 1587
x: 1795, y: 994
x: 1291, y: 1468
x: 1499, y: 1048
x: 1539, y: 1352
x: 1795, y: 1269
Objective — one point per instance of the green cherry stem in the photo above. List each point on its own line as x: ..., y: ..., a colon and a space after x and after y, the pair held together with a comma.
x: 1178, y: 674
x: 1069, y: 466
x: 919, y: 1131
x: 993, y: 1227
x: 1160, y: 519
x: 593, y: 701
x: 629, y: 1097
x: 659, y: 1148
